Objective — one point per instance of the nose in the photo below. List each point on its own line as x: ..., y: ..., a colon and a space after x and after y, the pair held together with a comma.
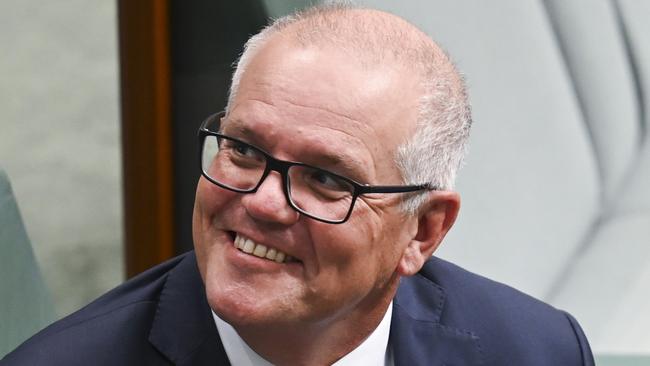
x: 269, y: 202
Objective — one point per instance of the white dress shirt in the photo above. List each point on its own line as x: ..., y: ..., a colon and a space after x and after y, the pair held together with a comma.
x: 374, y: 350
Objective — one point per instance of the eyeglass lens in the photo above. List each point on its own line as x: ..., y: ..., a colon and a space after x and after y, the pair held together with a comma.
x: 240, y: 167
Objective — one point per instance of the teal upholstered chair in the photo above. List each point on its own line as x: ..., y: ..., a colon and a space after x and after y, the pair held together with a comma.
x: 622, y: 360
x: 25, y: 305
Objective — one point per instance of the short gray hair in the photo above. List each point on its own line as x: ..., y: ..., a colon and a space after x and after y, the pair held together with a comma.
x: 436, y: 150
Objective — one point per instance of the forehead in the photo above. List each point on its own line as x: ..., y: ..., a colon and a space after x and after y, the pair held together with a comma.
x: 326, y: 97
x: 312, y: 145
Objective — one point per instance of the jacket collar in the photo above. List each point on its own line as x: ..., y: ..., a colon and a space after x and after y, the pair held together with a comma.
x: 183, y: 329
x: 417, y: 335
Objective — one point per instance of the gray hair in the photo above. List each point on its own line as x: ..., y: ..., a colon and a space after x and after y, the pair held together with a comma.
x: 436, y: 150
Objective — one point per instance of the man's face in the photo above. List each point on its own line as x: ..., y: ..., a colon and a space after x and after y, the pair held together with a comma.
x: 323, y: 108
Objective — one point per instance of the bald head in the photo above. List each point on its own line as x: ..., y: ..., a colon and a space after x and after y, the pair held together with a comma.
x: 371, y: 36
x: 378, y: 39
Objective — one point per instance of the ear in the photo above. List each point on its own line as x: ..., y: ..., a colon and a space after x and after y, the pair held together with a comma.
x: 434, y: 220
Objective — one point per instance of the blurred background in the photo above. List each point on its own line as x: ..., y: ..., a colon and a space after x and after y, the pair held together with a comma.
x: 60, y: 140
x: 99, y: 105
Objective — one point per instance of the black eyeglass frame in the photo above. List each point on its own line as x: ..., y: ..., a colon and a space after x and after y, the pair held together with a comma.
x: 282, y: 167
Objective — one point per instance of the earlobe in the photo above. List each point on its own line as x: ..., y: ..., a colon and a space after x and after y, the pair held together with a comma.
x: 412, y: 260
x: 434, y: 221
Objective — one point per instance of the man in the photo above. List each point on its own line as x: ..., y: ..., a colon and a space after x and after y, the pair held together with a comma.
x: 327, y: 186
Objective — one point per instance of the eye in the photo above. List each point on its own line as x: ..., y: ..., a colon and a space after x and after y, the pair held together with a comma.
x: 240, y: 150
x: 237, y: 154
x: 325, y: 180
x: 244, y: 150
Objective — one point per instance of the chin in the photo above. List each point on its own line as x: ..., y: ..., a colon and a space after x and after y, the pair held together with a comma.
x: 241, y: 305
x: 239, y: 313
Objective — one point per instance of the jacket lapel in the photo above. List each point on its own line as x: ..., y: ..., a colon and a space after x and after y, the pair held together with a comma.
x: 417, y: 336
x: 183, y: 328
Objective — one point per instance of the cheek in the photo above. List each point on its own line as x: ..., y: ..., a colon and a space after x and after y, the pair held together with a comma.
x: 378, y: 241
x: 348, y: 253
x: 210, y: 204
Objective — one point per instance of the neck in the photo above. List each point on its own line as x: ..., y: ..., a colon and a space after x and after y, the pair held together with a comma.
x: 321, y: 343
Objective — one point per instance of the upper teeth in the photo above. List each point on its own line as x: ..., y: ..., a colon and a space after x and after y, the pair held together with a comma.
x: 259, y: 250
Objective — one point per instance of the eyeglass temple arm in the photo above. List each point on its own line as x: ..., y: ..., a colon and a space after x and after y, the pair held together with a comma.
x: 396, y: 189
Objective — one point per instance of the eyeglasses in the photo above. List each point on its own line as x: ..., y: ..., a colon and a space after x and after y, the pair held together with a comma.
x: 317, y: 193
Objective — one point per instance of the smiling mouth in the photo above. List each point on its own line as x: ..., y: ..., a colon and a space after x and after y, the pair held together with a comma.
x: 246, y: 245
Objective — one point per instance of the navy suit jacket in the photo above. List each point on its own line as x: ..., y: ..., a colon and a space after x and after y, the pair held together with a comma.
x: 442, y: 316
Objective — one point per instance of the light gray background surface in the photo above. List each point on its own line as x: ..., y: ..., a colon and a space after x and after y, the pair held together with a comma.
x: 59, y: 139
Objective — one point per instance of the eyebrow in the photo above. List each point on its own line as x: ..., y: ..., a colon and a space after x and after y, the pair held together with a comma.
x: 230, y: 127
x: 334, y: 161
x: 349, y: 167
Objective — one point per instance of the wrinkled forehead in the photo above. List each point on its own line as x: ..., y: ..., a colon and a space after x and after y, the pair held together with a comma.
x: 326, y: 78
x: 320, y: 97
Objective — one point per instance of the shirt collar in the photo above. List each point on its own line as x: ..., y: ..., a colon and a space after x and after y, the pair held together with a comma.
x: 372, y: 351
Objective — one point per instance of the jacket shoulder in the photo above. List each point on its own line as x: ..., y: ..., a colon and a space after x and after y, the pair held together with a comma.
x: 513, y: 327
